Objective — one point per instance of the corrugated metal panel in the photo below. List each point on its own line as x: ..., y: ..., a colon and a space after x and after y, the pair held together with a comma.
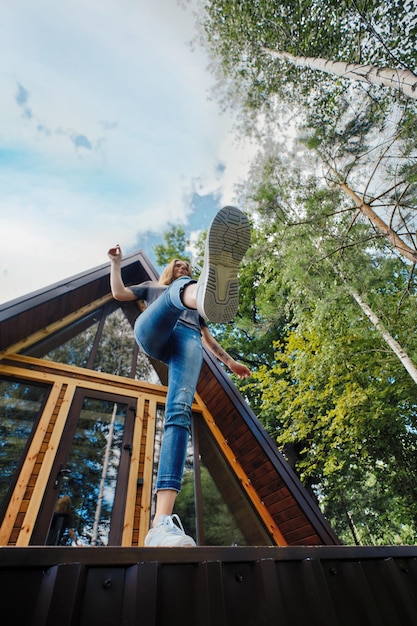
x: 320, y: 586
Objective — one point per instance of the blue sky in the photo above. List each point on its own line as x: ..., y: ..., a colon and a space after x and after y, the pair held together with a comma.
x: 107, y: 135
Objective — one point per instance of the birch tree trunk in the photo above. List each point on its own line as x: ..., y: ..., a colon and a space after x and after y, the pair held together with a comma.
x: 399, y: 245
x: 388, y: 338
x: 104, y: 470
x: 401, y: 79
x: 374, y: 319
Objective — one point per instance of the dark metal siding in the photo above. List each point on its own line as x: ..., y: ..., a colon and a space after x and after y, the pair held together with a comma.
x: 320, y: 586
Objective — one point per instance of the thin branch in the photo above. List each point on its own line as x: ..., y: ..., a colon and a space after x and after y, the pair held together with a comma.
x: 377, y: 36
x: 377, y: 164
x: 353, y: 220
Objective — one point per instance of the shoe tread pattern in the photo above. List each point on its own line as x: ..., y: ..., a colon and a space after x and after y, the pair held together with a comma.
x: 229, y: 238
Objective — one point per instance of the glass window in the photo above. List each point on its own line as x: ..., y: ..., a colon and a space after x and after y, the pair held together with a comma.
x: 219, y: 526
x: 71, y: 344
x: 20, y: 406
x: 75, y: 345
x: 115, y: 350
x: 73, y: 351
x: 87, y: 492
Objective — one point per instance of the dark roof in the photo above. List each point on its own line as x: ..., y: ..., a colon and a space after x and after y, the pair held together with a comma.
x: 24, y: 316
x: 278, y: 488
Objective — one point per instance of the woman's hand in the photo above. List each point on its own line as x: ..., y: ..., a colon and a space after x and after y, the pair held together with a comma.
x: 118, y: 288
x: 240, y: 369
x: 115, y: 254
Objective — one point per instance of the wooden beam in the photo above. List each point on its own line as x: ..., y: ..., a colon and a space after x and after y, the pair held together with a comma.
x: 45, y: 470
x: 52, y: 328
x: 50, y: 372
x: 132, y: 485
x: 145, y: 505
x: 238, y: 470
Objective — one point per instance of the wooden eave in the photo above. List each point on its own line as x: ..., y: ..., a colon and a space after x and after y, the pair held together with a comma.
x: 278, y: 488
x: 239, y: 437
x: 23, y: 317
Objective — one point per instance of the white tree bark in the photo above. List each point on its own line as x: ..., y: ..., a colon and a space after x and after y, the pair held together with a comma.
x: 104, y: 470
x: 389, y: 339
x: 401, y: 79
x: 399, y: 245
x: 374, y: 319
x: 406, y: 82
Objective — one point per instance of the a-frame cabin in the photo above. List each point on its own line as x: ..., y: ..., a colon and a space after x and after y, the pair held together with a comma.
x: 74, y: 426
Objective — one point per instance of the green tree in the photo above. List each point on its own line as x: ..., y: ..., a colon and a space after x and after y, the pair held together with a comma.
x: 339, y: 402
x: 332, y: 376
x: 364, y: 136
x: 365, y: 32
x: 175, y: 246
x: 325, y: 385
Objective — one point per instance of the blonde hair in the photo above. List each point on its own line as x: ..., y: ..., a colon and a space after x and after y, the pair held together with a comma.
x: 167, y: 275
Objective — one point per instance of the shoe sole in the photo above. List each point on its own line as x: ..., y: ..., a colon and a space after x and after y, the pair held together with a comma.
x: 228, y: 239
x: 186, y: 544
x: 183, y: 542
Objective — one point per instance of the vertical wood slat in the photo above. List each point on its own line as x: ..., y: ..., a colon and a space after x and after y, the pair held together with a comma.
x: 24, y: 479
x: 132, y: 486
x: 45, y: 470
x: 145, y: 506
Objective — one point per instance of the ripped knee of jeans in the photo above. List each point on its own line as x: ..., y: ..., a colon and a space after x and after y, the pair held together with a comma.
x: 181, y: 292
x: 178, y: 411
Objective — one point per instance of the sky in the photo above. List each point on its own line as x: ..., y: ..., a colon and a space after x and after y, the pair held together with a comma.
x: 108, y: 134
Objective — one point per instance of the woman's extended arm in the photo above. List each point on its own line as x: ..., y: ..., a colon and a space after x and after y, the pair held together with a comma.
x: 209, y: 341
x: 118, y: 288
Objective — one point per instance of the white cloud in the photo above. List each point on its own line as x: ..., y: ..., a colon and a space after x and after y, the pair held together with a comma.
x: 104, y: 127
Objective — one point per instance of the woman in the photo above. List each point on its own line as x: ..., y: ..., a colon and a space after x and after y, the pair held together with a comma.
x: 172, y: 329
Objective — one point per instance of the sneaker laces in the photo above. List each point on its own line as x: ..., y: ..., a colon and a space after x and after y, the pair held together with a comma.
x: 168, y: 523
x: 197, y: 264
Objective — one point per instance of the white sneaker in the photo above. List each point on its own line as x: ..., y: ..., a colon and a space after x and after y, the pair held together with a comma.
x: 166, y: 534
x: 228, y: 238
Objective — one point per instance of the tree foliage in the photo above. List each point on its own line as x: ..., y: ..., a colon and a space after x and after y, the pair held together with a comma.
x: 333, y: 208
x: 357, y: 31
x: 175, y: 246
x: 363, y: 134
x: 325, y: 385
x: 334, y: 397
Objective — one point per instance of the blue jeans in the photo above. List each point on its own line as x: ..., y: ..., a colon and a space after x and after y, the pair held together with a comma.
x: 179, y: 347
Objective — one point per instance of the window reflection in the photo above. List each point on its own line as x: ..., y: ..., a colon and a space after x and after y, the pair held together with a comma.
x: 103, y: 341
x: 20, y: 405
x: 90, y: 483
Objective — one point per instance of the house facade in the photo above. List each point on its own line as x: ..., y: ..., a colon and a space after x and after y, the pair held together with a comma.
x: 80, y: 420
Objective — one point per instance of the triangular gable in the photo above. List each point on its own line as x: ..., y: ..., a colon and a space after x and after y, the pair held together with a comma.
x: 237, y: 450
